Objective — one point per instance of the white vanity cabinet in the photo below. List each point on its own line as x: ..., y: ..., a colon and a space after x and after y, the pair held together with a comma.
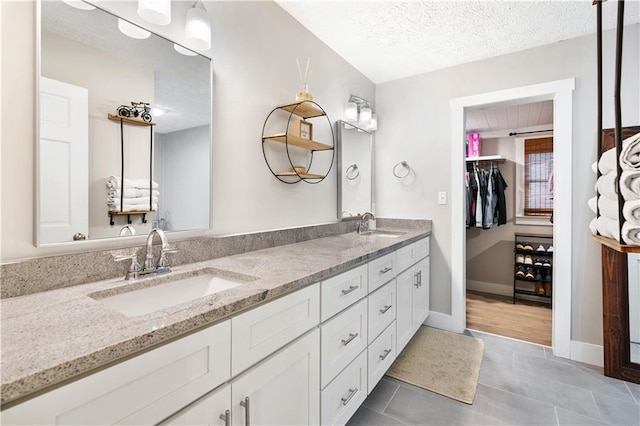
x: 212, y: 409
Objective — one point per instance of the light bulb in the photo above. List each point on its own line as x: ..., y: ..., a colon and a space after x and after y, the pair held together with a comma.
x: 351, y: 111
x: 197, y: 28
x: 365, y: 116
x: 155, y: 11
x: 183, y: 50
x: 373, y: 123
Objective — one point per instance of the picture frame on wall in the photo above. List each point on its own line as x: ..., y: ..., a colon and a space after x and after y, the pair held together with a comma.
x: 303, y: 129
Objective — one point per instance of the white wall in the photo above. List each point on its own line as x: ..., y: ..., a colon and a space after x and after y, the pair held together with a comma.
x: 255, y: 46
x: 416, y: 128
x: 183, y: 174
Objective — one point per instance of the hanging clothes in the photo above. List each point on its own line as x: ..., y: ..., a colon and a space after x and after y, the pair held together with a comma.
x: 485, y: 204
x: 501, y: 203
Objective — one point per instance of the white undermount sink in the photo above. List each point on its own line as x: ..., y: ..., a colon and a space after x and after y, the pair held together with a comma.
x: 383, y: 234
x: 133, y: 302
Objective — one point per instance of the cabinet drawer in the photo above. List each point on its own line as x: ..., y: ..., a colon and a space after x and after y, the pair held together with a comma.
x: 343, y: 290
x: 342, y: 339
x: 206, y: 411
x: 382, y: 353
x: 143, y: 390
x: 408, y: 255
x: 382, y: 270
x: 382, y: 309
x: 263, y: 330
x: 345, y: 394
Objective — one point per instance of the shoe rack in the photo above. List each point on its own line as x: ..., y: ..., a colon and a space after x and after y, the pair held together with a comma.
x: 533, y: 267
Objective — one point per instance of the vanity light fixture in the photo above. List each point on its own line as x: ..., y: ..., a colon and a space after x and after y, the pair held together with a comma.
x: 197, y: 27
x: 155, y: 11
x: 79, y: 4
x: 358, y: 111
x: 183, y: 50
x: 133, y: 31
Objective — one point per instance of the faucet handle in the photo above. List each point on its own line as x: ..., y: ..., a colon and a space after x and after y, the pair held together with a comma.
x: 163, y: 263
x: 134, y: 268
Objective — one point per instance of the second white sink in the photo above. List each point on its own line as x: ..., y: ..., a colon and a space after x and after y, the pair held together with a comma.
x: 154, y: 298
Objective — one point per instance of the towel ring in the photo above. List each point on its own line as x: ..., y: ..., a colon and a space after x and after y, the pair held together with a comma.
x: 404, y: 165
x: 352, y: 172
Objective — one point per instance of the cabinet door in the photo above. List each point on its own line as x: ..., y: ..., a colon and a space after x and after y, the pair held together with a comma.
x: 212, y: 409
x: 404, y: 315
x: 283, y: 389
x: 421, y: 294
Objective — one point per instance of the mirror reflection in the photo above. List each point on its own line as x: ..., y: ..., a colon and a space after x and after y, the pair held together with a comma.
x: 89, y: 68
x: 355, y: 163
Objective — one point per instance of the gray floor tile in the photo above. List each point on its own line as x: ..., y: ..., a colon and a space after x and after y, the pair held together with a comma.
x: 532, y: 385
x: 367, y: 417
x: 499, y: 343
x: 566, y: 418
x: 572, y: 374
x: 511, y: 408
x: 381, y: 395
x: 635, y: 391
x: 419, y: 409
x: 616, y: 411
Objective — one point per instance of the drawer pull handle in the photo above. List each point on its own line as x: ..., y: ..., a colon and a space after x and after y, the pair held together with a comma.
x: 247, y: 418
x: 351, y: 289
x: 417, y: 280
x: 226, y: 417
x: 352, y: 393
x: 385, y: 309
x: 386, y: 354
x: 351, y: 337
x: 420, y: 278
x: 385, y: 270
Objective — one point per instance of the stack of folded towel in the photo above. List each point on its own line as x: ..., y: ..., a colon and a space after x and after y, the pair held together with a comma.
x: 137, y: 194
x: 607, y: 224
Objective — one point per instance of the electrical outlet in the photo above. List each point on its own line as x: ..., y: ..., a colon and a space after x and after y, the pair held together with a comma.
x: 442, y: 197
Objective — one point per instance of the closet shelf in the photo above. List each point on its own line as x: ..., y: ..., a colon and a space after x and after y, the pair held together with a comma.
x: 135, y: 121
x: 291, y: 139
x: 533, y: 293
x: 533, y: 253
x: 498, y: 158
x: 614, y: 244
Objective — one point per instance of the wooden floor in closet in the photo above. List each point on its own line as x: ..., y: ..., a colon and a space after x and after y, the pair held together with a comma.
x: 526, y: 320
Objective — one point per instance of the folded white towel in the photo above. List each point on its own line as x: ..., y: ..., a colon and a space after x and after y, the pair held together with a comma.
x: 630, y: 155
x: 132, y: 207
x: 593, y: 227
x: 631, y: 234
x: 594, y: 167
x: 630, y: 185
x: 631, y: 212
x: 607, y: 161
x: 138, y: 200
x: 131, y: 192
x: 608, y: 227
x: 606, y: 185
x: 114, y: 182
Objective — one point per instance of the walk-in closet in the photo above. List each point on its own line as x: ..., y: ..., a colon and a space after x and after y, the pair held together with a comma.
x: 509, y: 207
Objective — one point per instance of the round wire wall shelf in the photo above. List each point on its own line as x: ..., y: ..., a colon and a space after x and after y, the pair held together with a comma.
x: 306, y: 109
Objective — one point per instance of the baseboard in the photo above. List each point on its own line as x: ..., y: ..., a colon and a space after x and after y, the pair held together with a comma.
x: 587, y: 353
x: 440, y: 320
x: 491, y: 288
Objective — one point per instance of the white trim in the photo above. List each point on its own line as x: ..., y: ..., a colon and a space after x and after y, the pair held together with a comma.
x: 561, y: 92
x: 439, y: 320
x: 492, y: 288
x: 587, y: 353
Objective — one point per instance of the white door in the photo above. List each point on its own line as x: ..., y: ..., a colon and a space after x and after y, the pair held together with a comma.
x: 634, y: 297
x: 212, y: 409
x: 63, y: 155
x: 421, y: 293
x: 283, y: 389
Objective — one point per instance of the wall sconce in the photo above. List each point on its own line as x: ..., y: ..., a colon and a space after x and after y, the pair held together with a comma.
x: 197, y: 27
x: 358, y: 111
x: 132, y: 30
x: 79, y: 4
x: 155, y: 11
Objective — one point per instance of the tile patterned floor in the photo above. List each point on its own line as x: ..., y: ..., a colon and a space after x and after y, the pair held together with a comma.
x: 519, y: 384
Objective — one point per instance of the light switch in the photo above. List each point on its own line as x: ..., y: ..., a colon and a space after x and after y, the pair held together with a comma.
x: 442, y: 197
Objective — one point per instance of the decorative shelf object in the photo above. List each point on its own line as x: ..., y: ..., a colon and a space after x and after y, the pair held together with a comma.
x: 305, y: 109
x: 497, y: 158
x: 129, y: 214
x: 130, y: 120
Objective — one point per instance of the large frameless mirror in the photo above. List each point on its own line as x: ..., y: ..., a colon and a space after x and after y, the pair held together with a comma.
x: 92, y: 170
x: 355, y: 170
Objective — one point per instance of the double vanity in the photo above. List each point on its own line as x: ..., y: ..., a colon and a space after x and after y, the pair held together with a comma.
x: 295, y: 334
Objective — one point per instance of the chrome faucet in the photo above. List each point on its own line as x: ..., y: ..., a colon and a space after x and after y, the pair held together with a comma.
x: 363, y: 226
x: 162, y: 265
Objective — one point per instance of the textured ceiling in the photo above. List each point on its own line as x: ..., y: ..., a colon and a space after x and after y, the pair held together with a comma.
x: 388, y: 40
x: 510, y: 118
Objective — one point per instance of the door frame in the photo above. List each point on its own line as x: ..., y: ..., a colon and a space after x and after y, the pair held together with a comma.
x: 561, y: 92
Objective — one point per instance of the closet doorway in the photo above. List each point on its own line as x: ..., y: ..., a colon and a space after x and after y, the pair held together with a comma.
x: 509, y: 235
x: 561, y: 93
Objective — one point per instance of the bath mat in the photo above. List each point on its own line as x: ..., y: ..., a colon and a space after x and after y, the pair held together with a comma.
x: 442, y: 362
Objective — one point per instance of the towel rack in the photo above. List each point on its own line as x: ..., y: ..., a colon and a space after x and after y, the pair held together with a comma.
x: 399, y: 167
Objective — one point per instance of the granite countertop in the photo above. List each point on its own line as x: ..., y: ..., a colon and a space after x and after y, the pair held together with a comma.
x: 55, y: 336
